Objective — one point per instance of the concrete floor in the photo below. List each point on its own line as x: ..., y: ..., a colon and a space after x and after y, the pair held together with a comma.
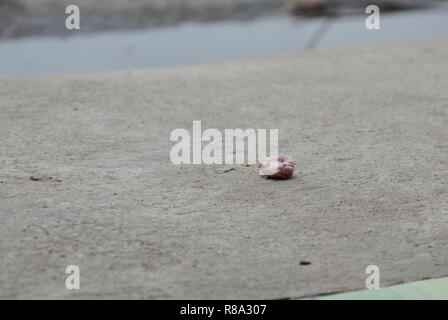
x: 368, y: 127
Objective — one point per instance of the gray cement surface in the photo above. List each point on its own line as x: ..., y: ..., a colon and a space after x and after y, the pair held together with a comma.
x: 86, y: 179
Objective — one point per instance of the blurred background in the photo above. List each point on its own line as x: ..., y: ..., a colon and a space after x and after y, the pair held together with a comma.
x: 123, y: 34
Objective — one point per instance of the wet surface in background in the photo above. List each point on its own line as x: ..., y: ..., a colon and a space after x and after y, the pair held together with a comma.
x: 193, y: 43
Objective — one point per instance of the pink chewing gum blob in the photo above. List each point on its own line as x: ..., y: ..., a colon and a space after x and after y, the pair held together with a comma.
x: 277, y: 167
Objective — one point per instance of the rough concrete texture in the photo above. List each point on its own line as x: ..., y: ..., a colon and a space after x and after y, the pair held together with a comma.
x: 368, y: 127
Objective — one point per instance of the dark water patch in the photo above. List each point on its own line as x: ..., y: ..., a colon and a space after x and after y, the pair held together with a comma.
x: 318, y: 8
